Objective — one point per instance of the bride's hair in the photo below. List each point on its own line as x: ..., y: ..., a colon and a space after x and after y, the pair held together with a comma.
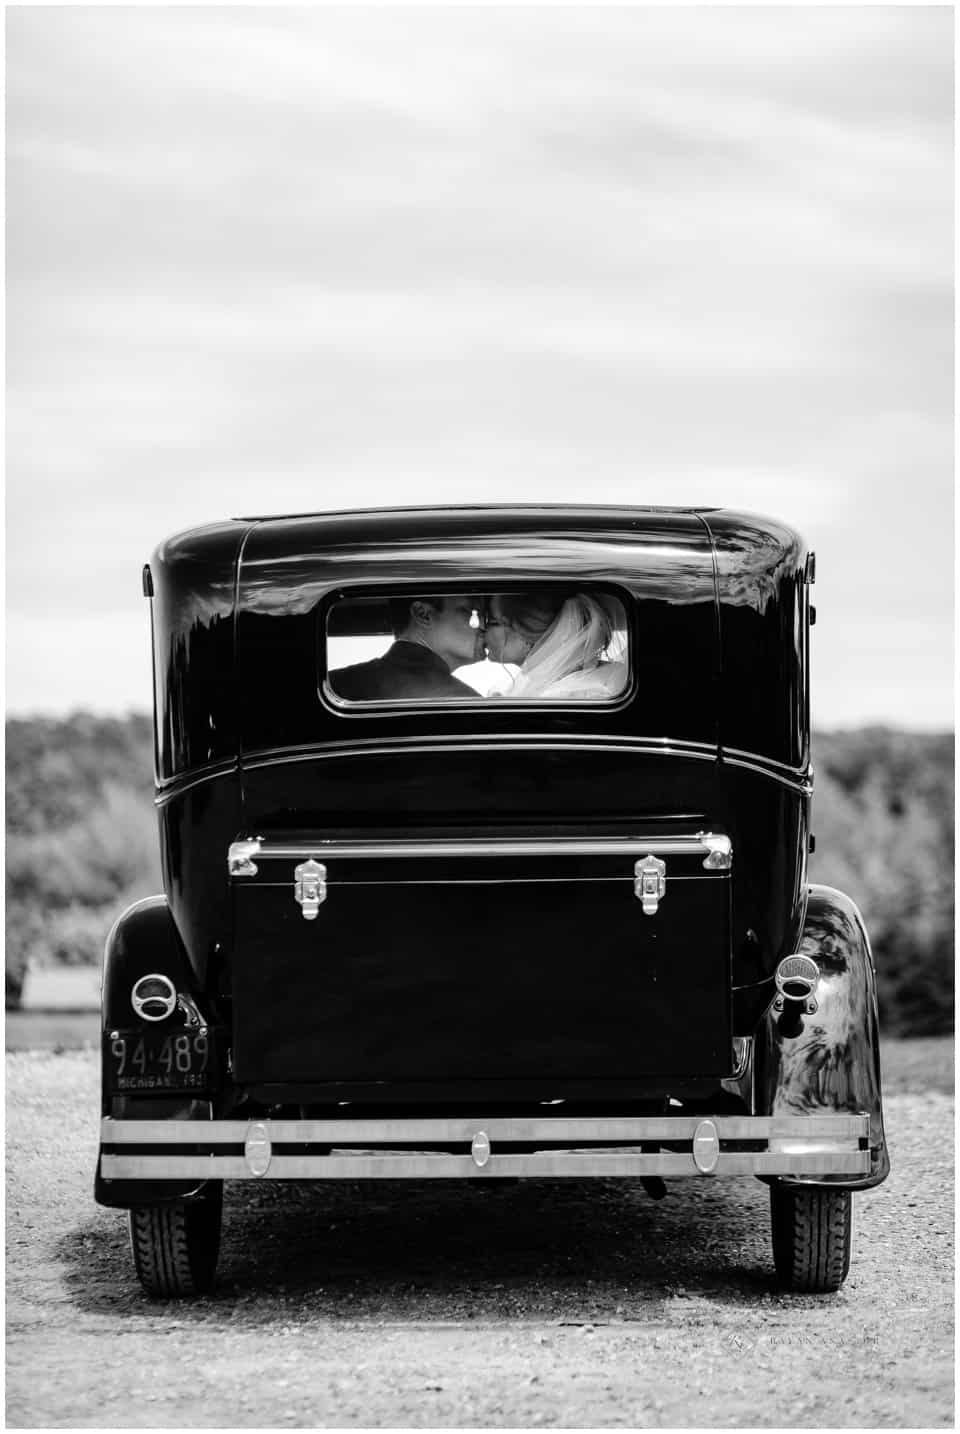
x: 532, y: 613
x: 535, y: 613
x: 570, y: 632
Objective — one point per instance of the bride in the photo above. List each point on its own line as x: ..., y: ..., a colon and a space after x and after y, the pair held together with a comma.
x: 561, y: 642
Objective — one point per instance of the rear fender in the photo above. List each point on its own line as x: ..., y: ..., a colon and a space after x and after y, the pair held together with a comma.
x: 828, y: 1061
x: 143, y: 940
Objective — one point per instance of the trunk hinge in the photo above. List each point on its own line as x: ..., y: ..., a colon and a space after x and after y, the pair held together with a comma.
x: 310, y: 887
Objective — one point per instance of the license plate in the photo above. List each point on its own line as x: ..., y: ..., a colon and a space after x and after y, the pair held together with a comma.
x: 163, y: 1060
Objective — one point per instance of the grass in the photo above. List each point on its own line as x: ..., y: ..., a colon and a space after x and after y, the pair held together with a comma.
x: 51, y: 1030
x: 912, y: 1066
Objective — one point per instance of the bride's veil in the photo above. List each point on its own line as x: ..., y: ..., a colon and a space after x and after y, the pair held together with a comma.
x: 576, y: 640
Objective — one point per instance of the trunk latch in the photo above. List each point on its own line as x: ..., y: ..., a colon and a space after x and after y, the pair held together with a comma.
x: 310, y: 887
x: 650, y: 883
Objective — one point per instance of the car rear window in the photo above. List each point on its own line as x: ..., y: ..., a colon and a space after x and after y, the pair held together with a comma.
x: 545, y: 644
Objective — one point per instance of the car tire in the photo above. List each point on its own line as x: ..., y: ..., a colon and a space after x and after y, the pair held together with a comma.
x: 811, y: 1227
x: 175, y: 1246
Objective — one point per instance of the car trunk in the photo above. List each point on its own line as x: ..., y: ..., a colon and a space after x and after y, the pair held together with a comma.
x: 480, y: 958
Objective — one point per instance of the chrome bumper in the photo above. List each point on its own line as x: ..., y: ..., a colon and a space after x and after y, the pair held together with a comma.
x: 797, y: 1145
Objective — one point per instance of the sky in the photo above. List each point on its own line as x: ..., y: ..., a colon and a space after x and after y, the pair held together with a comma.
x: 288, y: 259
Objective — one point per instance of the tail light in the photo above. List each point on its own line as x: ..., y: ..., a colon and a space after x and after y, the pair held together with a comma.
x: 154, y: 997
x: 796, y: 979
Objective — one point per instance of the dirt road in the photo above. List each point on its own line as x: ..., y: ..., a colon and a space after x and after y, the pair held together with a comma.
x: 560, y: 1303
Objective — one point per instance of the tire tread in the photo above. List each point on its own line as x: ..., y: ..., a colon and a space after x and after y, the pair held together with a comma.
x: 175, y: 1246
x: 811, y: 1228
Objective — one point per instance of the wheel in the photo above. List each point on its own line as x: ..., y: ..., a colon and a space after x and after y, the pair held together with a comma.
x: 175, y: 1247
x: 811, y: 1228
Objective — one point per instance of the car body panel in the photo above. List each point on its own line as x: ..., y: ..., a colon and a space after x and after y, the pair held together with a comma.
x: 829, y: 1059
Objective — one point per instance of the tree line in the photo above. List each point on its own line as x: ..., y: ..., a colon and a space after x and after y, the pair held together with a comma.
x: 82, y: 844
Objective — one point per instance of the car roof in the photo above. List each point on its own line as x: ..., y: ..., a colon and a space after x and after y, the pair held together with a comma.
x: 505, y: 509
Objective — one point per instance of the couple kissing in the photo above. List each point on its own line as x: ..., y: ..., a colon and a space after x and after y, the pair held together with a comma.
x: 558, y: 641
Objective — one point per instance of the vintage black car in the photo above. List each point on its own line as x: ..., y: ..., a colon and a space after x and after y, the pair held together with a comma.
x: 484, y: 837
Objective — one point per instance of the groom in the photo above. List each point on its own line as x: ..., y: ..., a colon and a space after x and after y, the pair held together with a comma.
x: 433, y: 635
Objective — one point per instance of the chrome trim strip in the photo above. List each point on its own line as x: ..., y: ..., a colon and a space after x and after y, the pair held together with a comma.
x: 760, y: 759
x: 648, y: 747
x: 794, y: 783
x: 490, y: 881
x: 400, y: 1131
x: 419, y: 1166
x: 240, y: 853
x: 171, y: 787
x: 514, y: 742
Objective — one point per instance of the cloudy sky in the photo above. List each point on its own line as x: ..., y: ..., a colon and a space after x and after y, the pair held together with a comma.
x: 268, y: 260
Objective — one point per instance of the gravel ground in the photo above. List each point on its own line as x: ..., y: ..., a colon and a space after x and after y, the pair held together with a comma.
x: 438, y: 1304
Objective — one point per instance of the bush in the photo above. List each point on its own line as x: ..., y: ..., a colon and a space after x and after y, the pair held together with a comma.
x: 81, y: 837
x: 884, y: 818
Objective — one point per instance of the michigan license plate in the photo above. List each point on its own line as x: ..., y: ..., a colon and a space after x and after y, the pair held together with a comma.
x: 163, y: 1060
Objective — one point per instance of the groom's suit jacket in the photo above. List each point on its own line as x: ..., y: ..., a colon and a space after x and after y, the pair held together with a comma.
x: 405, y: 670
